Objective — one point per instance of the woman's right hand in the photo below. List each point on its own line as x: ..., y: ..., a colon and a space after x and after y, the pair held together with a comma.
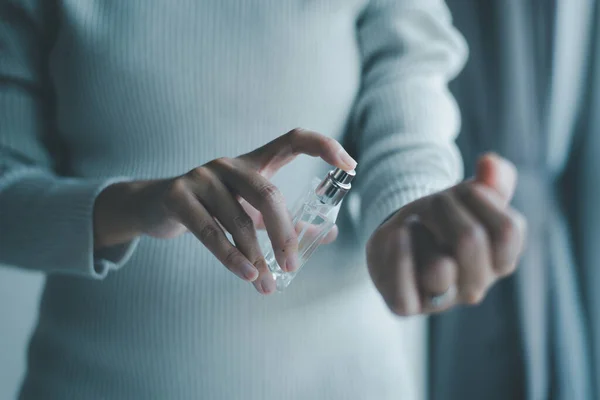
x: 236, y: 192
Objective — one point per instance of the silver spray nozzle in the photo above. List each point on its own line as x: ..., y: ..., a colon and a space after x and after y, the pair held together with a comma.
x: 334, y: 187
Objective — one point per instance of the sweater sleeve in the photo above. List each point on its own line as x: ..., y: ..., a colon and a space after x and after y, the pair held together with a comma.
x: 405, y: 119
x: 46, y: 220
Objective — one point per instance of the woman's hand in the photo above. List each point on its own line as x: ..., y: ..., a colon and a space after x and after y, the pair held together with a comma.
x: 231, y: 194
x: 450, y: 247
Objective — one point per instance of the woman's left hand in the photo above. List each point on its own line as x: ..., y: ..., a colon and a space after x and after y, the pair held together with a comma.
x: 451, y: 247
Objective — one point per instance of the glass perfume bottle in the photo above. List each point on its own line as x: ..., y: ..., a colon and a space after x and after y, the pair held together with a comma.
x: 313, y: 217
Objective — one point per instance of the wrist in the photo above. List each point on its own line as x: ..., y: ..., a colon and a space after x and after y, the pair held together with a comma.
x: 115, y: 218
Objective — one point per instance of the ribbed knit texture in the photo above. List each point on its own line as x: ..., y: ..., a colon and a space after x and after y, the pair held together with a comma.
x: 149, y: 89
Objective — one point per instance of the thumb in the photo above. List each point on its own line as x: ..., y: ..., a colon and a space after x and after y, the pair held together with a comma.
x: 498, y: 174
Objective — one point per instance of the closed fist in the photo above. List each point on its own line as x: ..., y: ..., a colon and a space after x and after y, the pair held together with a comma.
x: 450, y: 247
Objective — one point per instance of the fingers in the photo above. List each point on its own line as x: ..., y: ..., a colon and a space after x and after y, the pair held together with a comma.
x: 466, y: 240
x: 253, y: 213
x: 330, y: 236
x: 222, y: 205
x: 192, y: 214
x: 470, y: 237
x: 257, y: 219
x: 265, y: 283
x: 498, y: 174
x: 205, y: 202
x: 391, y: 266
x: 280, y: 151
x: 506, y: 227
x: 268, y: 200
x: 437, y: 272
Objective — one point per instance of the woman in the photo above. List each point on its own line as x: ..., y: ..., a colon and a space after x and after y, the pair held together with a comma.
x: 121, y: 126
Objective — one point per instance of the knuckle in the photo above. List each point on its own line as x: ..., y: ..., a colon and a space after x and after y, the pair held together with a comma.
x: 232, y: 258
x: 469, y: 193
x: 261, y: 264
x: 521, y: 225
x: 400, y: 248
x: 438, y: 275
x: 398, y: 239
x: 292, y: 137
x: 401, y: 306
x: 199, y: 174
x: 440, y: 201
x: 290, y: 242
x: 178, y: 187
x: 506, y: 268
x: 243, y: 222
x: 295, y: 132
x: 507, y: 232
x: 208, y: 233
x: 224, y: 161
x: 400, y: 311
x: 442, y: 266
x: 203, y: 180
x: 270, y: 195
x: 481, y: 280
x: 176, y: 194
x: 220, y: 163
x: 508, y: 245
x: 473, y: 295
x: 471, y: 237
x: 467, y: 190
x: 475, y: 193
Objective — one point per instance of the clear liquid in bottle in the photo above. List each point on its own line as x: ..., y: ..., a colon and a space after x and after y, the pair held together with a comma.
x: 313, y: 217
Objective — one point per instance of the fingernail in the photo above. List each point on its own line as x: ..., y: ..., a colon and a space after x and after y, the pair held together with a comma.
x: 249, y: 272
x: 291, y: 264
x: 267, y: 284
x: 346, y: 159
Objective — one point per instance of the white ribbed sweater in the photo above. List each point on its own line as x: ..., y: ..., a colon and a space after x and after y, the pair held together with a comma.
x: 95, y: 91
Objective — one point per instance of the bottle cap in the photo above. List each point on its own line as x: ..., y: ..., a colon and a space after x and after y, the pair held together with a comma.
x: 335, y: 186
x: 342, y: 177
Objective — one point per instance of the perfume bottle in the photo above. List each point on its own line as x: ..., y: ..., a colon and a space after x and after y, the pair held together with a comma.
x: 313, y: 217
